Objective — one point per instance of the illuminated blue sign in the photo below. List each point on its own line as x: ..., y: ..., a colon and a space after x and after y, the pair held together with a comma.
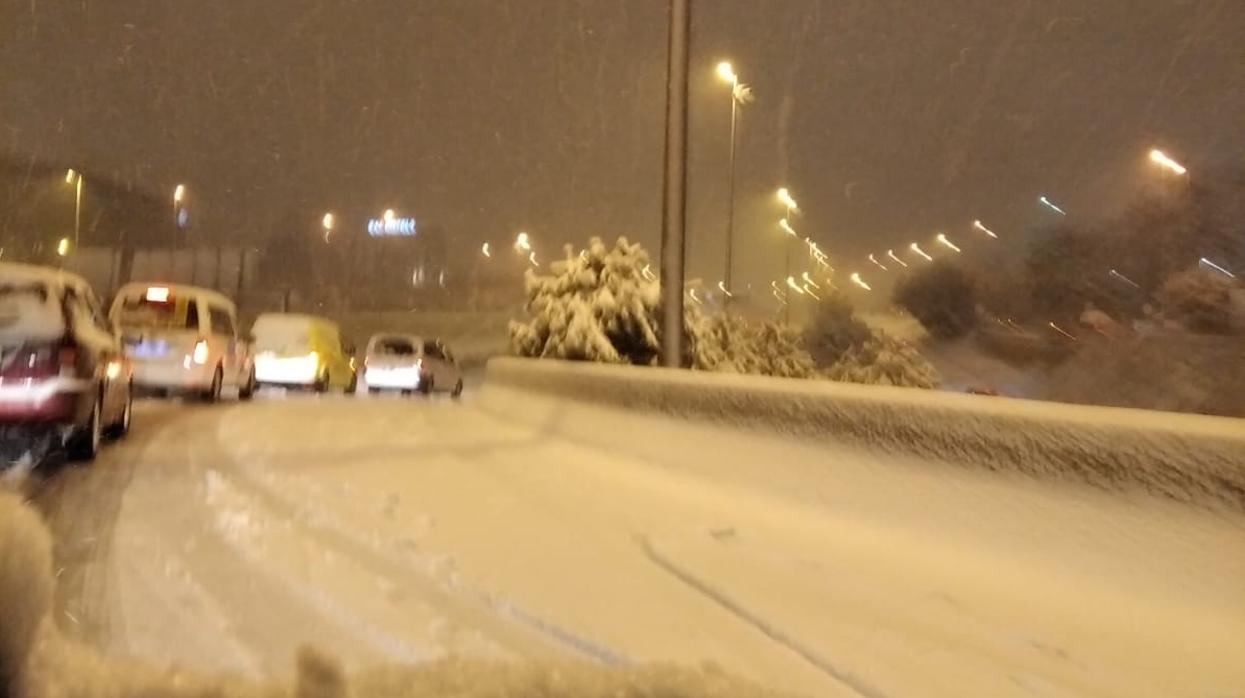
x: 391, y: 227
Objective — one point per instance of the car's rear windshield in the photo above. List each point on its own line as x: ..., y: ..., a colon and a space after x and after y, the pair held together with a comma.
x: 282, y: 334
x: 145, y: 313
x: 28, y: 310
x: 394, y: 346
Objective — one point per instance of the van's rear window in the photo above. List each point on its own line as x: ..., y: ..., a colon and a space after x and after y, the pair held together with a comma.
x: 141, y: 313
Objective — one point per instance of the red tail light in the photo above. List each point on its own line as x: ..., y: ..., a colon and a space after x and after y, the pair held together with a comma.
x: 43, y: 361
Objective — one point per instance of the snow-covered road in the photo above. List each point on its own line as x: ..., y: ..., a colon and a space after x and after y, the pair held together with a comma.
x: 403, y: 530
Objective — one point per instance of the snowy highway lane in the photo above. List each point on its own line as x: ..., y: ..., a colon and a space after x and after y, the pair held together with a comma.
x: 223, y: 537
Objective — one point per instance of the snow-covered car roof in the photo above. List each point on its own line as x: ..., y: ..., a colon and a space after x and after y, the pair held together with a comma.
x: 26, y: 317
x: 12, y: 273
x: 138, y: 288
x: 291, y: 319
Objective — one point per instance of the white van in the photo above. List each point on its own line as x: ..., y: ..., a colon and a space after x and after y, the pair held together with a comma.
x: 183, y: 339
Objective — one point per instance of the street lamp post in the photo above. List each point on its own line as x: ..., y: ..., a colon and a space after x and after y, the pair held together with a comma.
x: 179, y: 194
x: 75, y: 178
x: 740, y: 95
x: 786, y: 228
x: 784, y: 196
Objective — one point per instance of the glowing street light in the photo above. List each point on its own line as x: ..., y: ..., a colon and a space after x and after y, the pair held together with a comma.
x: 62, y: 247
x: 793, y: 285
x: 917, y: 249
x: 327, y: 223
x: 179, y: 193
x: 900, y: 262
x: 485, y: 251
x: 1049, y: 204
x: 784, y: 195
x: 389, y: 214
x: 647, y: 273
x: 984, y: 229
x: 808, y: 281
x: 722, y: 288
x: 855, y: 277
x: 727, y: 72
x: 1060, y: 330
x: 691, y: 293
x: 942, y: 240
x: 1216, y: 267
x: 522, y: 243
x: 877, y: 264
x: 787, y: 228
x: 1160, y: 158
x: 532, y: 258
x: 1123, y: 278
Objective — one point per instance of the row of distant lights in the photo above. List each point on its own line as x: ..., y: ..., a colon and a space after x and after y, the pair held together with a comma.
x: 1156, y: 156
x: 742, y: 94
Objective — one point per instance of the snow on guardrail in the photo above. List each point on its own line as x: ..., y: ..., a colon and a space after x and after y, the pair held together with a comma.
x: 1187, y: 458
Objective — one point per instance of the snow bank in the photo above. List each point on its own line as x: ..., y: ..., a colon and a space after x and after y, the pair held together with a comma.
x: 37, y: 661
x: 1187, y: 458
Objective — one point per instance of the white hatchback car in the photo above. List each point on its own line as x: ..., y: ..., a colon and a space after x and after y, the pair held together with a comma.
x: 183, y: 339
x: 408, y: 363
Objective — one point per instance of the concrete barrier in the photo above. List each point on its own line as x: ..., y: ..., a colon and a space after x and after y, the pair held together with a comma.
x: 1186, y: 458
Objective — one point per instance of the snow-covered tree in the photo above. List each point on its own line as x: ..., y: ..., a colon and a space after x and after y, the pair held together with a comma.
x: 726, y: 342
x: 602, y: 304
x: 597, y: 305
x: 883, y: 360
x: 846, y: 349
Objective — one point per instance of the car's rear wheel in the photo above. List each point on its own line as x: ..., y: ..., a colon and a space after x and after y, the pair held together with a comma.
x: 85, y: 444
x: 247, y: 391
x: 322, y: 383
x: 354, y: 384
x: 121, y: 427
x: 212, y: 394
x: 458, y: 389
x: 426, y: 386
x: 373, y: 391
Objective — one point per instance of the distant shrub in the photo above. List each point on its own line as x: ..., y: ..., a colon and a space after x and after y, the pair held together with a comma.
x: 1199, y: 300
x: 942, y: 297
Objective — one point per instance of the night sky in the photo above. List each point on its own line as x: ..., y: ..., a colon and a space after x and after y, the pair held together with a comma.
x: 888, y: 119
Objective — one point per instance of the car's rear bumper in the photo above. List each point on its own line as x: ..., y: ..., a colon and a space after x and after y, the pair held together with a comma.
x: 393, y: 378
x: 286, y: 371
x: 54, y: 400
x: 173, y: 376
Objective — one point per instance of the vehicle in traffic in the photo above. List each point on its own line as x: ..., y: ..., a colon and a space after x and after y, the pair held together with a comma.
x: 302, y: 351
x: 183, y: 339
x: 408, y: 363
x: 65, y: 383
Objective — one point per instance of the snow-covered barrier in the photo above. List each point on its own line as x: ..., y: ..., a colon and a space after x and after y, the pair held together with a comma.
x: 1187, y: 458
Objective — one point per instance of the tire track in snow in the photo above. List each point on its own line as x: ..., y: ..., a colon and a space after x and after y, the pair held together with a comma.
x: 773, y: 633
x: 480, y: 608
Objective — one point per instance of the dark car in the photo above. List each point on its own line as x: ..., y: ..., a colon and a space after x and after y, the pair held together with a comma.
x: 64, y: 380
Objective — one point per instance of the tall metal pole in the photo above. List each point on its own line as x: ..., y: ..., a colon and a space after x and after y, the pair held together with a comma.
x: 674, y: 194
x: 77, y: 212
x: 730, y: 195
x: 786, y: 309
